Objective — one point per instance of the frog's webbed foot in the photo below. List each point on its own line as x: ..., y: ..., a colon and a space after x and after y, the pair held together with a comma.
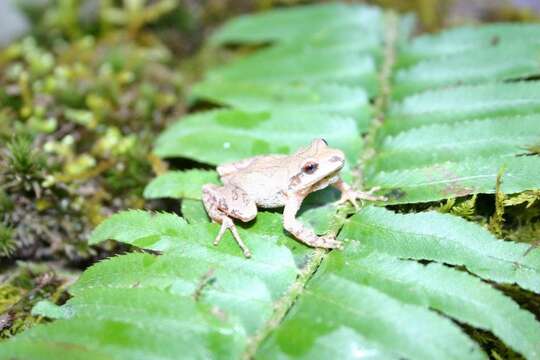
x: 351, y: 195
x: 222, y: 203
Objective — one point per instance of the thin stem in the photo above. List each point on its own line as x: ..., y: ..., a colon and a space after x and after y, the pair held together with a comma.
x: 285, y: 303
x: 381, y: 102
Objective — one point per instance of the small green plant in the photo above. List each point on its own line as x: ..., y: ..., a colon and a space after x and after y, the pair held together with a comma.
x: 7, y: 242
x: 22, y: 158
x: 6, y: 204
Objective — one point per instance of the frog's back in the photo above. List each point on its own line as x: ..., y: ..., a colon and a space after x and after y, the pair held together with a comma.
x: 264, y: 179
x: 240, y: 165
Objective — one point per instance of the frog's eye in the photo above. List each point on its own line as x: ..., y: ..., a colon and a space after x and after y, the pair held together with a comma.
x: 310, y: 167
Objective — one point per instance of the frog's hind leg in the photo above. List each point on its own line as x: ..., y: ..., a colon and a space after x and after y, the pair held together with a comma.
x: 222, y: 203
x: 302, y: 233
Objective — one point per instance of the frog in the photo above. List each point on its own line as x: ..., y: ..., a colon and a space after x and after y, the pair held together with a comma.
x: 274, y: 181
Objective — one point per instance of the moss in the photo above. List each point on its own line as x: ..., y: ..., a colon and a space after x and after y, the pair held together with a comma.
x: 25, y: 285
x: 7, y: 241
x: 131, y: 174
x: 496, y: 222
x: 6, y: 204
x: 522, y: 213
x: 85, y: 105
x: 22, y: 158
x: 529, y: 198
x: 463, y: 207
x: 9, y: 295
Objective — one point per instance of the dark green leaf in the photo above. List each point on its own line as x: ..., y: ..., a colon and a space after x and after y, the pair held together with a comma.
x: 454, y: 179
x: 512, y: 61
x: 463, y: 103
x: 446, y: 239
x: 428, y: 145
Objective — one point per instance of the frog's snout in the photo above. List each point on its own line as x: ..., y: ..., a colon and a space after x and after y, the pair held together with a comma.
x: 336, y: 158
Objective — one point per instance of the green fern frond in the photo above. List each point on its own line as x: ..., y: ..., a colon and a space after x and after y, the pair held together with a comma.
x: 405, y: 285
x: 498, y: 63
x: 462, y: 103
x: 234, y: 134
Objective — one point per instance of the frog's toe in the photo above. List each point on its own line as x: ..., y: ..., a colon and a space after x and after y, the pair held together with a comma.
x: 370, y: 194
x: 227, y: 223
x: 352, y: 197
x: 223, y: 228
x: 336, y: 245
x: 329, y: 242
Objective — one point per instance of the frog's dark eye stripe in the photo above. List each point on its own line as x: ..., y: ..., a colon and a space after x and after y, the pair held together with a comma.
x: 324, y: 141
x: 310, y: 167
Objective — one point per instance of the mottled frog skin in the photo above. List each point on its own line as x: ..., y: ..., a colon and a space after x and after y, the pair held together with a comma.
x: 272, y: 181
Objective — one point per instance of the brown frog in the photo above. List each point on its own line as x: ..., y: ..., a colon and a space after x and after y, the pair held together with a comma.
x: 271, y: 181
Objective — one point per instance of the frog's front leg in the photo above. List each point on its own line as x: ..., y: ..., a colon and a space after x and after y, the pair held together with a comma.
x: 302, y: 233
x: 348, y: 194
x: 222, y: 203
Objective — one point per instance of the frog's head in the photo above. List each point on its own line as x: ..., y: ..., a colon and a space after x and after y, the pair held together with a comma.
x: 316, y: 166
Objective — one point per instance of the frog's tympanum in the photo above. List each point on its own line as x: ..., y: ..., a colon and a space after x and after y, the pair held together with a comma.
x: 272, y: 181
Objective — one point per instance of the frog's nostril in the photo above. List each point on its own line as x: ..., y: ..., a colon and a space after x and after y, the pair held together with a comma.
x: 335, y: 159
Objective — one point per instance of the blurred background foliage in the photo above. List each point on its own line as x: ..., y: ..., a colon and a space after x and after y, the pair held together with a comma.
x: 85, y: 86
